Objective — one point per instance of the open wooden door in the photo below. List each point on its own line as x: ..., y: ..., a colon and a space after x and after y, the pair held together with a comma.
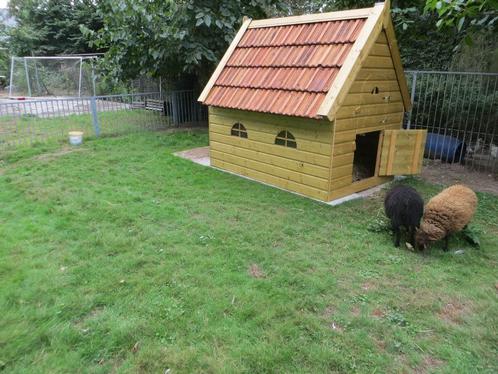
x: 402, y: 152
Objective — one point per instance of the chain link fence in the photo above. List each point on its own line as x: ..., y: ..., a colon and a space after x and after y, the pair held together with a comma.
x: 33, y: 121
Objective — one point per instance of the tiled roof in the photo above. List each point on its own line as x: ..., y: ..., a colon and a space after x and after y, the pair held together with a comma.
x: 285, y: 69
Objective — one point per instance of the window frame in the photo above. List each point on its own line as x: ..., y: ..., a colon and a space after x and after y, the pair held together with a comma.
x: 239, y: 130
x: 285, y: 139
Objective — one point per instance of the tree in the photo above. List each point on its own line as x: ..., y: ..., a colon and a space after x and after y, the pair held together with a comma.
x: 468, y: 16
x: 178, y: 40
x: 52, y: 27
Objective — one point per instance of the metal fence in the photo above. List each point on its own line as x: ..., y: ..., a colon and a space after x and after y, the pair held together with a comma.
x: 459, y: 110
x: 32, y: 121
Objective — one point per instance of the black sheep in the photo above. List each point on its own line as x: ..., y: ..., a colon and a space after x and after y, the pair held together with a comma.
x: 404, y: 207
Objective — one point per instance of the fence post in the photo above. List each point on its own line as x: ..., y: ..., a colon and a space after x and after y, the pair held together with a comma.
x: 11, y: 75
x: 174, y: 108
x: 412, y: 99
x: 27, y: 77
x: 95, y: 116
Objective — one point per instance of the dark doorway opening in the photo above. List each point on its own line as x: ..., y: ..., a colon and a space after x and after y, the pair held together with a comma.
x: 365, y: 155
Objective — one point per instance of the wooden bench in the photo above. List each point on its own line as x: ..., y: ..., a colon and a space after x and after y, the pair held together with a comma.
x: 138, y: 105
x: 156, y: 105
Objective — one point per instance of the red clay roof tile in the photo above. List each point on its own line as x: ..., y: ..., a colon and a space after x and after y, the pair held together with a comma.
x: 285, y: 69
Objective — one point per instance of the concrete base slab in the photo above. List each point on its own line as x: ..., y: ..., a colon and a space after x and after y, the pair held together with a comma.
x: 201, y: 156
x: 198, y: 155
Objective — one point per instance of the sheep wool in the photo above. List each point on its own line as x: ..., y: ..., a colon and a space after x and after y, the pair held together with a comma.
x: 446, y: 213
x: 404, y: 207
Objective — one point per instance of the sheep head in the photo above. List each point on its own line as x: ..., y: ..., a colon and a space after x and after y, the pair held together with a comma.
x: 427, y: 234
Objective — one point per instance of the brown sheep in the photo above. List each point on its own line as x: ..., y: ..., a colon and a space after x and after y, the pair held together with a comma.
x: 446, y: 213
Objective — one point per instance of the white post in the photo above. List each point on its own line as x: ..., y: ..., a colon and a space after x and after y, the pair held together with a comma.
x: 93, y: 77
x: 11, y: 75
x: 81, y: 67
x: 412, y: 98
x: 27, y: 77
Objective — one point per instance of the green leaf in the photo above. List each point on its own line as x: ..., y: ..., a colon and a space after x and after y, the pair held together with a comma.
x: 207, y: 20
x: 471, y: 236
x: 200, y: 21
x: 460, y: 23
x: 468, y: 40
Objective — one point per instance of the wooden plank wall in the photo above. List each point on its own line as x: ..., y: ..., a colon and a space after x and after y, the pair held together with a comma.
x: 402, y: 152
x: 363, y: 111
x: 304, y: 170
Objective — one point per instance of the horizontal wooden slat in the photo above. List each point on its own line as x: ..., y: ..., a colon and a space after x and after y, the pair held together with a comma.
x: 342, y: 148
x: 367, y: 86
x: 311, y: 132
x: 369, y: 121
x: 298, y: 166
x: 341, y: 160
x: 308, y: 180
x: 366, y: 99
x: 342, y: 171
x: 376, y: 74
x: 271, y: 179
x: 353, y: 111
x: 341, y: 182
x: 380, y: 49
x: 378, y: 62
x: 263, y: 137
x: 276, y: 150
x: 382, y: 39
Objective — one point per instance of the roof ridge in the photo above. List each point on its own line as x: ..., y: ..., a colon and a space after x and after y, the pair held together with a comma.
x: 342, y: 15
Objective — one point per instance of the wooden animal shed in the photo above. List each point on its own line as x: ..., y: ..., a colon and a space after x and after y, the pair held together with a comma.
x: 313, y: 104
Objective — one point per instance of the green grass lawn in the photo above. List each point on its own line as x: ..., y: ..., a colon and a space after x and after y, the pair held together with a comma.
x: 120, y: 257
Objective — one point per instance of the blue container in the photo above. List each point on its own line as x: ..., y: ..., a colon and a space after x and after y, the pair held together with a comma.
x: 445, y: 148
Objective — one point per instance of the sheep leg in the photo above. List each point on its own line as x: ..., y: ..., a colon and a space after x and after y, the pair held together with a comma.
x: 411, y: 230
x: 445, y: 246
x: 397, y: 235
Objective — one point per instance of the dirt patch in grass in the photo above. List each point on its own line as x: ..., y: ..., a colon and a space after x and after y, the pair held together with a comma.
x: 378, y: 313
x: 329, y: 312
x: 380, y: 344
x: 449, y: 174
x: 454, y: 312
x: 93, y: 314
x: 367, y: 286
x: 256, y: 272
x: 59, y: 153
x: 428, y: 365
x: 334, y: 326
x: 355, y: 311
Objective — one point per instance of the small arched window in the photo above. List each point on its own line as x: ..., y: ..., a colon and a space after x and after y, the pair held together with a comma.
x: 239, y: 130
x: 286, y: 139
